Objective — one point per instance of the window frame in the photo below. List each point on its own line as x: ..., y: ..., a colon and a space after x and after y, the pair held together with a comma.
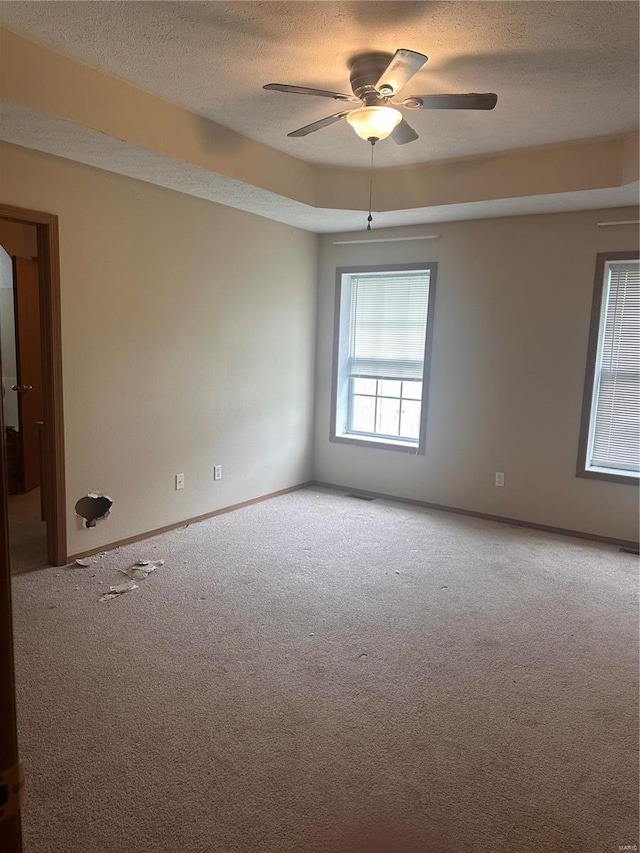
x: 358, y: 439
x: 602, y: 258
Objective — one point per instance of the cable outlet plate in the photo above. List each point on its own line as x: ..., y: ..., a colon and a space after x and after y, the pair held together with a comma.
x: 179, y: 482
x: 499, y: 478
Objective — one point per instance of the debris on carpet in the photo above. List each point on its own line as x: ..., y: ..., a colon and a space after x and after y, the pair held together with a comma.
x: 142, y: 569
x: 118, y: 589
x: 139, y: 571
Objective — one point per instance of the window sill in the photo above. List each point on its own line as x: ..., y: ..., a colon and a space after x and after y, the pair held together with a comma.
x: 609, y: 474
x: 409, y: 447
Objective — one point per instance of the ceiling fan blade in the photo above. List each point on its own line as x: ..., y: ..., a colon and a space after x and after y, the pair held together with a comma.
x: 317, y: 125
x: 303, y: 90
x: 399, y: 71
x: 404, y: 133
x: 472, y: 101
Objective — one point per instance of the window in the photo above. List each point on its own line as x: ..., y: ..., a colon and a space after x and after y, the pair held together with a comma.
x: 381, y: 355
x: 610, y: 430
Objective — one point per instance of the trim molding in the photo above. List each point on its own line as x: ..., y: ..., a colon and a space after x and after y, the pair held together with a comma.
x: 514, y: 522
x: 10, y: 827
x: 140, y: 537
x: 590, y: 371
x: 340, y: 341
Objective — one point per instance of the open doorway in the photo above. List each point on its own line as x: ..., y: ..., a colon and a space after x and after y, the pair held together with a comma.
x: 20, y: 338
x: 32, y: 388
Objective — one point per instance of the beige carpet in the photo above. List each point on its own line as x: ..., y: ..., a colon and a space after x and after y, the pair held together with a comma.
x: 321, y: 674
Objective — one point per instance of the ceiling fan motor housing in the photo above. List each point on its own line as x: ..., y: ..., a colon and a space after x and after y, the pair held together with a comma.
x: 366, y: 69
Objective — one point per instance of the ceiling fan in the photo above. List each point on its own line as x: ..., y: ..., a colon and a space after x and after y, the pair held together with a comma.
x: 375, y: 79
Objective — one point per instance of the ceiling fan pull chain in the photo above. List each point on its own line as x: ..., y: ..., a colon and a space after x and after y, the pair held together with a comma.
x: 370, y: 217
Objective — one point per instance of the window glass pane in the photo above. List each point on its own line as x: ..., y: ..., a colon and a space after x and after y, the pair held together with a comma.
x: 410, y: 420
x: 388, y: 416
x: 412, y: 390
x: 389, y: 388
x: 364, y: 386
x: 616, y: 441
x: 363, y: 414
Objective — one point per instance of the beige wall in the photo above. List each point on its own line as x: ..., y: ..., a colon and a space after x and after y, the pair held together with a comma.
x: 188, y: 341
x: 188, y: 334
x: 511, y: 325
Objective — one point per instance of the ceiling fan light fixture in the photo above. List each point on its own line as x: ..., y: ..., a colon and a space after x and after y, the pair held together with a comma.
x: 374, y: 122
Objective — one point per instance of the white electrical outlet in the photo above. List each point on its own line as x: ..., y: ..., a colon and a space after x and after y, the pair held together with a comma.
x: 499, y: 478
x: 179, y: 481
x: 217, y: 472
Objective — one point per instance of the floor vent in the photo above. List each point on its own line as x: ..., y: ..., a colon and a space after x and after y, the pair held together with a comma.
x: 359, y: 497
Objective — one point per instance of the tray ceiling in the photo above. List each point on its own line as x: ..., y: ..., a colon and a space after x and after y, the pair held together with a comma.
x: 563, y: 71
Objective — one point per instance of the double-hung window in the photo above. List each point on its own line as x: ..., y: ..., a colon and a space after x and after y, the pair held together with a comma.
x: 384, y: 318
x: 610, y: 430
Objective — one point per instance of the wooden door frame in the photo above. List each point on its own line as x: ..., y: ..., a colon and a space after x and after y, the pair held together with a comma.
x: 53, y: 483
x: 10, y: 829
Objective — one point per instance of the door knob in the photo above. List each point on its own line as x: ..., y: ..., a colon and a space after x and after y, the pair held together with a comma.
x: 21, y: 388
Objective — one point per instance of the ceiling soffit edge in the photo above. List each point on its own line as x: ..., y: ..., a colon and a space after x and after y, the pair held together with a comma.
x: 89, y: 100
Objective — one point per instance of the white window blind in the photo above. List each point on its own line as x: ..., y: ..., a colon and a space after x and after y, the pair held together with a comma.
x: 615, y: 415
x: 388, y: 325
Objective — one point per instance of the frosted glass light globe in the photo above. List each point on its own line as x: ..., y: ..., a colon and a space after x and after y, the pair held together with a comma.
x: 374, y: 122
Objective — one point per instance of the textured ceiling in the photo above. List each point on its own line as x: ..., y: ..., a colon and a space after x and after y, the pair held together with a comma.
x: 562, y: 70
